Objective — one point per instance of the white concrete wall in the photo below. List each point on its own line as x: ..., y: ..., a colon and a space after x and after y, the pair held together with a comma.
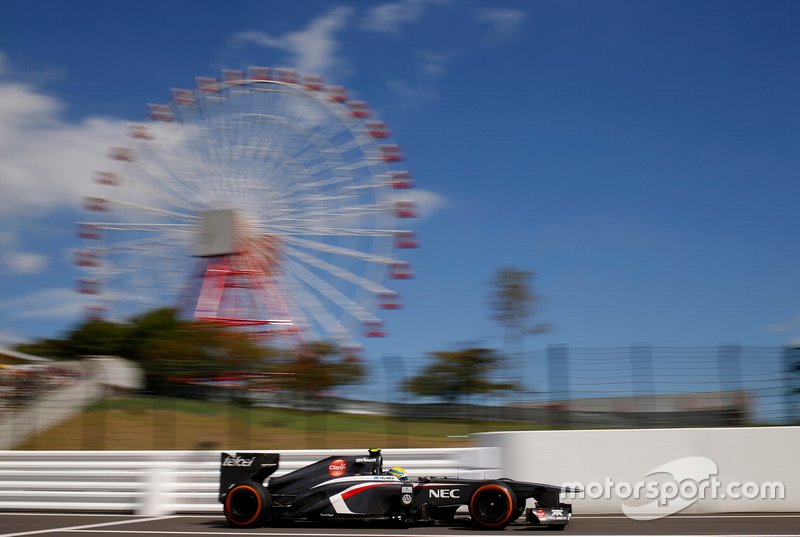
x: 163, y: 482
x: 740, y: 454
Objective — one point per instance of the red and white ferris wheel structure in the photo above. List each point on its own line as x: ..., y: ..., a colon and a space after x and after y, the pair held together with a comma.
x: 264, y: 200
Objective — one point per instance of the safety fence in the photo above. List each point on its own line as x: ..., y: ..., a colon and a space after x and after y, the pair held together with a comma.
x: 559, y: 387
x: 162, y: 482
x: 639, y: 386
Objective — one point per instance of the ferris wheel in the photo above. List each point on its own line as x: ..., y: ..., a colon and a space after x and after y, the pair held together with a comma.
x: 263, y: 200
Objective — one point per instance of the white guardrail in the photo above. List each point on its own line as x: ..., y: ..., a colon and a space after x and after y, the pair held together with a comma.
x: 163, y: 482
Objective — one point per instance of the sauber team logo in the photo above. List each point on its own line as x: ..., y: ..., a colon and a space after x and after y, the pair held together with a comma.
x: 337, y: 468
x: 238, y: 461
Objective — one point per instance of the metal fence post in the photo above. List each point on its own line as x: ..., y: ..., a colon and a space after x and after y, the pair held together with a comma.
x: 643, y: 385
x: 729, y: 369
x: 791, y: 363
x: 559, y: 392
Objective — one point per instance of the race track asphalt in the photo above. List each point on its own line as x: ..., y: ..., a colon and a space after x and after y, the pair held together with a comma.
x: 85, y: 525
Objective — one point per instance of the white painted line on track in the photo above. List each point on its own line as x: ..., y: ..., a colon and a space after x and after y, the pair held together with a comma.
x: 673, y: 517
x: 55, y: 513
x: 599, y: 517
x: 86, y: 526
x: 293, y: 534
x: 281, y: 534
x: 139, y: 518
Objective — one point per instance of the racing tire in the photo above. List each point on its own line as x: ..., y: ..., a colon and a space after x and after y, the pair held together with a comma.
x: 492, y: 506
x: 247, y: 504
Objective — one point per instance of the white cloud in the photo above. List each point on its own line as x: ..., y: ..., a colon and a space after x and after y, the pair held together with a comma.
x: 389, y: 17
x: 426, y: 201
x: 25, y: 262
x: 417, y: 92
x: 46, y: 163
x: 431, y: 66
x: 14, y: 261
x: 57, y: 303
x: 311, y: 50
x: 434, y: 64
x: 502, y: 23
x: 792, y: 324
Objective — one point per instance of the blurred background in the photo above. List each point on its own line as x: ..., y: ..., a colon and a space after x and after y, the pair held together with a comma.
x: 441, y: 218
x: 316, y: 398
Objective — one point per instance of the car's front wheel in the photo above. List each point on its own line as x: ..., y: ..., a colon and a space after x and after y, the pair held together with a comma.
x: 492, y: 506
x: 247, y: 504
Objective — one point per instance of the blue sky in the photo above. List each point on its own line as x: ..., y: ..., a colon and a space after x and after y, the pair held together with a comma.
x: 641, y: 157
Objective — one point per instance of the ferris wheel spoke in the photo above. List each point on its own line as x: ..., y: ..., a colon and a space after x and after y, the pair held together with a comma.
x: 339, y: 272
x: 143, y: 244
x: 343, y: 303
x: 331, y: 324
x: 162, y: 195
x: 148, y: 209
x: 306, y: 231
x: 326, y: 213
x: 330, y: 218
x: 157, y: 163
x: 339, y: 250
x: 142, y: 226
x: 322, y: 183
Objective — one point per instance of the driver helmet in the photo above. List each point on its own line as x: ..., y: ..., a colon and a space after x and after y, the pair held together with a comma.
x: 398, y: 472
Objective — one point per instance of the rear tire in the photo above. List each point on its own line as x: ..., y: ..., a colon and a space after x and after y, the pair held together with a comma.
x: 247, y: 504
x: 492, y: 506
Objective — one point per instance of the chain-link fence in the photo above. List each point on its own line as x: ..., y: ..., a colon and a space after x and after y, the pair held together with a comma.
x: 639, y: 386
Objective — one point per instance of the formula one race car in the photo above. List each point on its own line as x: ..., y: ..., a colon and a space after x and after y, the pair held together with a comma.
x: 353, y: 487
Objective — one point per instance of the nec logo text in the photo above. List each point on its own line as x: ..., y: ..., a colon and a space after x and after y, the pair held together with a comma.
x: 444, y: 493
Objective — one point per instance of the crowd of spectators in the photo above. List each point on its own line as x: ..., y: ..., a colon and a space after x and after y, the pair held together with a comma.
x: 21, y: 384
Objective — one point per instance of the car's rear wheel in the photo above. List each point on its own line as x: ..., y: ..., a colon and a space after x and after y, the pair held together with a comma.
x: 492, y: 506
x: 247, y: 504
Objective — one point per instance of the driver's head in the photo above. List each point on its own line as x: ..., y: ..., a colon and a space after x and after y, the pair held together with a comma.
x: 398, y: 472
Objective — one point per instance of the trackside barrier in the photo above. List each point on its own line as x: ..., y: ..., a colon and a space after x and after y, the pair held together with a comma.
x: 164, y: 482
x: 602, y: 460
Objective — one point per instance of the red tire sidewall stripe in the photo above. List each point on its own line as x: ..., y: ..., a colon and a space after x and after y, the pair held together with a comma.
x: 504, y: 491
x: 228, y: 505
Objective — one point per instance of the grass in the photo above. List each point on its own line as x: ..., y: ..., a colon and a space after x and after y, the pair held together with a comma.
x: 160, y: 423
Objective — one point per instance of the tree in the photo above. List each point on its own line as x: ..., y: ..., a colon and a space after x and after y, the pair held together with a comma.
x: 513, y: 302
x: 454, y: 375
x: 316, y: 367
x: 166, y: 347
x: 94, y: 337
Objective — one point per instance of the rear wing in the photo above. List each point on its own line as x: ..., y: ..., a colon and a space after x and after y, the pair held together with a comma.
x: 245, y: 467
